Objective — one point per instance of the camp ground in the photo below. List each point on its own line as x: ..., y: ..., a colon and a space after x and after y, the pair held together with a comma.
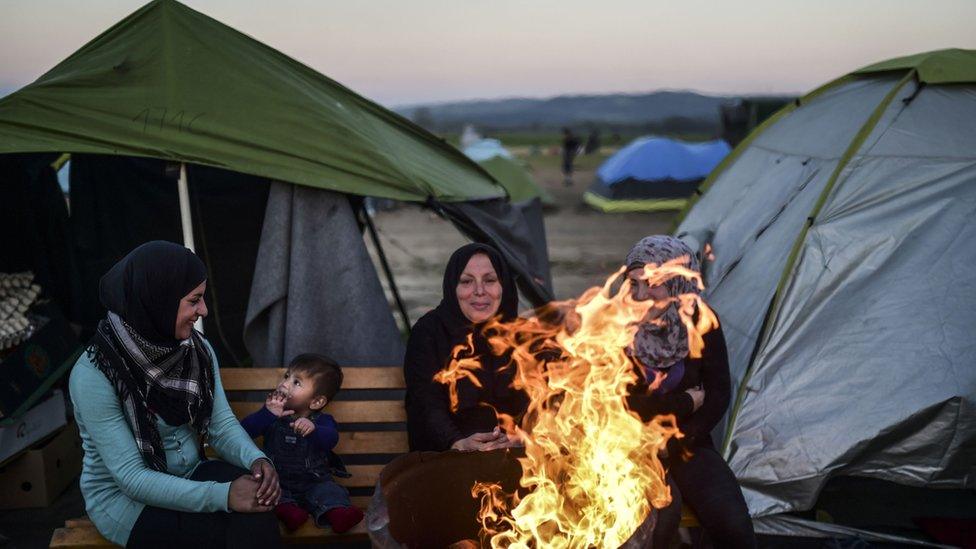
x: 832, y: 216
x: 653, y: 174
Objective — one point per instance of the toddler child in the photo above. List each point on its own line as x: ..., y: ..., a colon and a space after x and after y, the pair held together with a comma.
x: 299, y: 438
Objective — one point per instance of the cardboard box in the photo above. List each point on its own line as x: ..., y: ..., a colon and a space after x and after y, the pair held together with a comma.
x: 38, y: 477
x: 40, y: 421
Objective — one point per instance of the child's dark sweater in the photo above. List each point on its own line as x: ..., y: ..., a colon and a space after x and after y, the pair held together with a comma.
x: 300, y: 461
x: 324, y: 437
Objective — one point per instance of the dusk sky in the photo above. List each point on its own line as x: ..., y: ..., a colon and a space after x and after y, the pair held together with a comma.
x: 440, y: 50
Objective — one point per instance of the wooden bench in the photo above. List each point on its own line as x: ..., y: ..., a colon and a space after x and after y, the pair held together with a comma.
x: 372, y: 424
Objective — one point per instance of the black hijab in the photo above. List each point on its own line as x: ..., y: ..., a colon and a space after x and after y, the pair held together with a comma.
x: 146, y: 286
x: 135, y: 346
x: 449, y: 309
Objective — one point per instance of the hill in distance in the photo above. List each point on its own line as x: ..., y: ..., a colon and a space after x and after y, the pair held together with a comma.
x: 613, y: 110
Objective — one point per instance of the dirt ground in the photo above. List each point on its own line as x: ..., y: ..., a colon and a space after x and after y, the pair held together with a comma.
x: 585, y: 246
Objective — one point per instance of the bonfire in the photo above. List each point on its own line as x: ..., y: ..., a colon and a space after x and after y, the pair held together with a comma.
x: 591, y: 472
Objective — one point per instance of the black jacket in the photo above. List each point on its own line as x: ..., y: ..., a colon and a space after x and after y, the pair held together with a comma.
x: 431, y: 425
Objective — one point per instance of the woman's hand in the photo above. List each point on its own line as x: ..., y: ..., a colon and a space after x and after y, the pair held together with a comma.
x: 243, y: 498
x: 303, y: 426
x: 505, y: 441
x: 275, y: 403
x: 483, y: 442
x: 697, y: 397
x: 269, y: 490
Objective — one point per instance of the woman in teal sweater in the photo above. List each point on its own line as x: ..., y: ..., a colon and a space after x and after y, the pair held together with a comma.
x: 146, y: 395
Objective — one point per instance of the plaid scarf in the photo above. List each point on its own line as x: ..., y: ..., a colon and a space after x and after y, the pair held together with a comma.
x: 176, y: 383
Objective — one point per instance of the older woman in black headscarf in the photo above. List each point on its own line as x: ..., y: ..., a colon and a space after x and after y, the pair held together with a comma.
x: 478, y: 286
x: 146, y: 396
x: 427, y: 493
x: 695, y: 390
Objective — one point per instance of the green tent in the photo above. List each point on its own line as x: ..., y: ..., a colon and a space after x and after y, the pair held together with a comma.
x: 276, y: 158
x: 169, y: 82
x: 516, y: 180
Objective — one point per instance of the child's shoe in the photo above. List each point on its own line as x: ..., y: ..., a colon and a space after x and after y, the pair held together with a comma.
x: 342, y: 519
x: 291, y: 515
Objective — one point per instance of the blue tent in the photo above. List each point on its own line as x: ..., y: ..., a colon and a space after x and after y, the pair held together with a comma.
x: 653, y: 173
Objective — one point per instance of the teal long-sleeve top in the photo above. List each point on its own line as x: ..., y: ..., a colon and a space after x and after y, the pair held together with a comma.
x: 115, y: 479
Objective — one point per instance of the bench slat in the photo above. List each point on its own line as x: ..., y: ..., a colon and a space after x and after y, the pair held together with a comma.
x: 266, y: 379
x: 80, y: 522
x: 365, y: 442
x: 344, y: 411
x: 357, y: 442
x: 361, y: 501
x: 78, y: 538
x: 362, y: 476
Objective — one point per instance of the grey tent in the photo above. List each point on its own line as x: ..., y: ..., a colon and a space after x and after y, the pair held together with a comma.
x: 844, y: 244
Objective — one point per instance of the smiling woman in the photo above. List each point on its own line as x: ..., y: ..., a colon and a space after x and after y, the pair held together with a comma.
x: 477, y: 286
x: 479, y: 292
x: 146, y: 395
x: 192, y: 308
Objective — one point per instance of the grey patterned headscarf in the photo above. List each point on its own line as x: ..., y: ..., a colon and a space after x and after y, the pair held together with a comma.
x: 662, y: 343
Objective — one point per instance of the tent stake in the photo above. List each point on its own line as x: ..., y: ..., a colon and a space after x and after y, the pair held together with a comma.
x: 386, y: 266
x: 187, y: 222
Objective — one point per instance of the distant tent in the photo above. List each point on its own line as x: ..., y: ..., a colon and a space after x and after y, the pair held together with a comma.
x: 486, y: 149
x: 277, y: 159
x: 843, y: 242
x: 653, y: 173
x: 498, y: 161
x: 469, y: 136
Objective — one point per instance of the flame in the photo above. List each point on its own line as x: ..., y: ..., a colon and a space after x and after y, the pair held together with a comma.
x: 591, y: 472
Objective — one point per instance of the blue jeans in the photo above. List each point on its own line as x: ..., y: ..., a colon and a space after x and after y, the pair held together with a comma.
x: 318, y: 499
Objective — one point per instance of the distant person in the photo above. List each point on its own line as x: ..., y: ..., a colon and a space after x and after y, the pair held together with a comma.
x: 592, y: 142
x: 570, y: 146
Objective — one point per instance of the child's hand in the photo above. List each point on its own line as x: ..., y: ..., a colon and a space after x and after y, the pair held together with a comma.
x: 303, y: 426
x: 275, y: 403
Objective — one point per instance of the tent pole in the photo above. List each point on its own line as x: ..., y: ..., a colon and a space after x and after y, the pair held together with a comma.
x: 187, y: 221
x: 386, y: 266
